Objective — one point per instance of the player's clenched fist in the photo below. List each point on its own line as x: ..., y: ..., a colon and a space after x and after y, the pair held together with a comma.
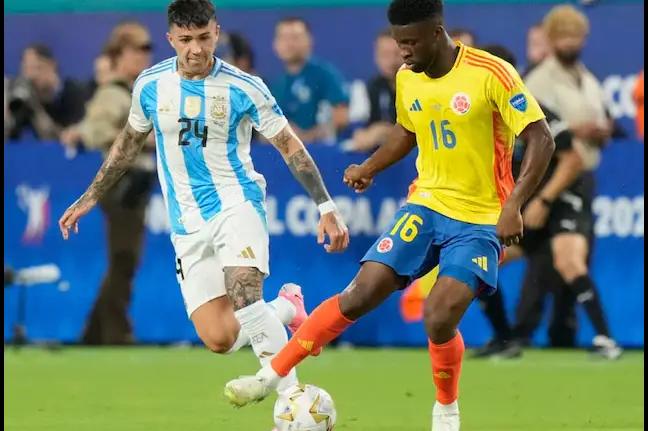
x: 509, y: 227
x: 357, y: 177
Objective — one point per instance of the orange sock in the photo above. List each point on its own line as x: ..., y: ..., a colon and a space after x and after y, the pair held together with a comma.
x: 446, y: 367
x: 324, y: 324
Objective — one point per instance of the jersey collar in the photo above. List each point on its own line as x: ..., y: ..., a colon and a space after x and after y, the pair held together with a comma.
x: 216, y: 67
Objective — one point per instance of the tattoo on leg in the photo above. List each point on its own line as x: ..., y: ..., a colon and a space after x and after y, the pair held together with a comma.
x: 243, y: 285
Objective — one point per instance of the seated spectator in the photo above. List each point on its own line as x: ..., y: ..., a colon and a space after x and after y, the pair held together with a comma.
x: 40, y: 100
x: 382, y: 96
x: 464, y: 36
x: 307, y: 85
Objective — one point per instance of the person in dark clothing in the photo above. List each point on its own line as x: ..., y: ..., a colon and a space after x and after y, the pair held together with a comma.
x: 40, y: 100
x: 382, y: 96
x: 559, y: 212
x: 124, y: 206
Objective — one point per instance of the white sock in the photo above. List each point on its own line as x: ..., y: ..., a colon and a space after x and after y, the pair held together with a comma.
x: 284, y: 309
x: 242, y: 340
x: 280, y: 307
x: 446, y: 409
x: 266, y: 334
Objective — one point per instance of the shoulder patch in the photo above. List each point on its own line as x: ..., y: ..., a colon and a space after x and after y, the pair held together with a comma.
x: 519, y: 102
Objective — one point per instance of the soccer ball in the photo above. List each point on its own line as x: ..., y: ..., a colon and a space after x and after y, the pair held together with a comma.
x: 304, y: 408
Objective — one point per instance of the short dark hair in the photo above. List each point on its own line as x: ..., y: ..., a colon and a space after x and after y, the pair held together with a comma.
x: 41, y: 50
x: 190, y: 13
x: 292, y: 20
x: 501, y: 52
x: 241, y: 47
x: 403, y: 12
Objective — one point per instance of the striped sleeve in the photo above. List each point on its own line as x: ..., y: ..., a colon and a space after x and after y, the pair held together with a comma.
x: 506, y: 91
x: 138, y: 118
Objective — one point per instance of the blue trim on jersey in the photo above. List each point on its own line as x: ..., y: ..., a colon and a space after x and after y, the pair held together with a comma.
x: 162, y: 65
x: 152, y: 73
x: 241, y: 105
x: 258, y: 206
x: 172, y: 201
x: 202, y: 184
x: 149, y: 92
x: 218, y: 64
x: 231, y: 72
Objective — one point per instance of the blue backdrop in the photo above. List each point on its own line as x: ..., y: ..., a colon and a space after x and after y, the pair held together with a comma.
x: 344, y: 36
x: 40, y: 183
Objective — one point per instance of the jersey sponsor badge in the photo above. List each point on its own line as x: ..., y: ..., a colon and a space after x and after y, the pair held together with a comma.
x: 460, y: 103
x: 519, y: 102
x: 385, y: 245
x: 192, y: 106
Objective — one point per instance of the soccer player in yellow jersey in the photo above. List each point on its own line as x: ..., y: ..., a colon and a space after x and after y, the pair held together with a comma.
x: 463, y: 107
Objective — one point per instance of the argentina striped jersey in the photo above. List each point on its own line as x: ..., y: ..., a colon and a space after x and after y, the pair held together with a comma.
x: 202, y: 132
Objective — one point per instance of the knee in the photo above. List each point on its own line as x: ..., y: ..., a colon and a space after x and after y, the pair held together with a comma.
x: 437, y: 320
x: 570, y: 267
x: 359, y: 298
x: 218, y: 342
x: 440, y: 318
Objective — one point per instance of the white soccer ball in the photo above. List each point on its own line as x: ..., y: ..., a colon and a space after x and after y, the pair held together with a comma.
x: 304, y: 408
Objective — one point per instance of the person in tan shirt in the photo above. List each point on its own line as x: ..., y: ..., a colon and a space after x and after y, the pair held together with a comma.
x: 564, y: 85
x: 129, y: 51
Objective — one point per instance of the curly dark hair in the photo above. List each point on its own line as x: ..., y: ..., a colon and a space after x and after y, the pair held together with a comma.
x: 403, y: 12
x: 190, y: 13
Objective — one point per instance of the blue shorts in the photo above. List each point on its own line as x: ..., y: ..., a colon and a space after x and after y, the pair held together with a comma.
x: 421, y: 238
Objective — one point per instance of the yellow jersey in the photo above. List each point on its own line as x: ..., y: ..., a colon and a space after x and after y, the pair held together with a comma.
x: 465, y: 124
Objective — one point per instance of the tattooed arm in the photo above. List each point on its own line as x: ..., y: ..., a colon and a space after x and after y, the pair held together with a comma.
x: 305, y: 170
x: 126, y: 147
x: 301, y: 164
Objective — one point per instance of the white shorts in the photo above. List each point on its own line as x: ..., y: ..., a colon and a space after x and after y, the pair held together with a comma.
x: 234, y: 237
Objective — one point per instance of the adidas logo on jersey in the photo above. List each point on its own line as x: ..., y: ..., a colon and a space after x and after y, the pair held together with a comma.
x: 247, y: 254
x: 482, y: 262
x: 416, y: 106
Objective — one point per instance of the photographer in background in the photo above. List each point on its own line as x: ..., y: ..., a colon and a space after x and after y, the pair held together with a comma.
x: 39, y: 100
x: 124, y: 206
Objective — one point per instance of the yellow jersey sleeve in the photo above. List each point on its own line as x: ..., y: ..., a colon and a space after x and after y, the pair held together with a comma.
x: 512, y: 99
x: 402, y: 113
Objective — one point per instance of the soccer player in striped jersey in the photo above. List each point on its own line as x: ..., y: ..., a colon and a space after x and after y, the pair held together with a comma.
x: 463, y: 108
x: 202, y: 111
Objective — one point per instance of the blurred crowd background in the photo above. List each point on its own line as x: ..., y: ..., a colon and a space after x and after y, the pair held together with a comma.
x: 69, y: 67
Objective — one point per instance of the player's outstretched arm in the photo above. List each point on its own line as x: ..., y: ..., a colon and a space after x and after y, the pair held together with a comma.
x: 399, y: 143
x: 305, y: 170
x: 126, y: 147
x: 540, y: 147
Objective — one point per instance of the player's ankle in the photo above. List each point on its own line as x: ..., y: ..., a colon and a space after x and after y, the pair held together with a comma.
x: 268, y: 374
x: 451, y: 408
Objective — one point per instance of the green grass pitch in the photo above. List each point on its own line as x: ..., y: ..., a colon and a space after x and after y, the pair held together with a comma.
x: 151, y: 388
